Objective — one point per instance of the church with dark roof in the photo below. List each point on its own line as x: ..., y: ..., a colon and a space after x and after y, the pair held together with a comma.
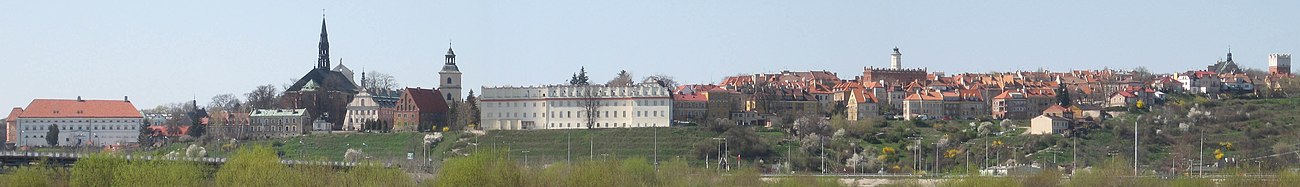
x: 325, y: 93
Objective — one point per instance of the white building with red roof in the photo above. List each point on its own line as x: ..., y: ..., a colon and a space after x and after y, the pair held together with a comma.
x: 79, y: 122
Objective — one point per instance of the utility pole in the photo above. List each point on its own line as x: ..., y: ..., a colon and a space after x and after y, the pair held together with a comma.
x: 1201, y: 161
x: 821, y: 143
x: 591, y: 147
x: 1135, y: 144
x: 656, y: 149
x: 568, y: 139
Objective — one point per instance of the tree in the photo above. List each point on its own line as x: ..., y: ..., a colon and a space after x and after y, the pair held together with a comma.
x: 472, y: 101
x: 590, y: 106
x: 144, y: 138
x: 198, y: 122
x: 622, y: 79
x: 1063, y: 95
x: 225, y: 102
x: 263, y: 97
x: 375, y: 80
x: 580, y: 78
x: 661, y: 80
x: 52, y: 135
x: 1141, y: 73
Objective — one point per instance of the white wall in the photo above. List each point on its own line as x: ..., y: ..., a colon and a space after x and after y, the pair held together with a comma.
x: 562, y: 107
x: 100, y: 131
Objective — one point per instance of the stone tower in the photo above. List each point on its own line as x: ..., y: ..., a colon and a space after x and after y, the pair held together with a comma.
x: 449, y: 78
x: 1279, y: 64
x: 896, y: 59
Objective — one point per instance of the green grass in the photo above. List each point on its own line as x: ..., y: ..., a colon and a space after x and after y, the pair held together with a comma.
x: 323, y: 146
x: 546, y: 146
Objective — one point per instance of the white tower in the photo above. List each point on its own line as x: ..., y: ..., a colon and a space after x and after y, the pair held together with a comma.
x: 896, y: 59
x: 1279, y: 64
x: 449, y: 78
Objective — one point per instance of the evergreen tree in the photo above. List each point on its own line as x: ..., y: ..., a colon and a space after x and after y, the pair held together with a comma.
x: 1063, y: 95
x: 580, y: 78
x: 52, y: 135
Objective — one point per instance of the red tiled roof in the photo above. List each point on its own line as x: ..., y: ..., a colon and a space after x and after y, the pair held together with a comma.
x: 930, y: 96
x: 861, y: 96
x: 1125, y: 94
x: 160, y: 130
x: 690, y: 97
x: 67, y: 108
x: 1056, y: 109
x: 427, y: 100
x: 13, y: 115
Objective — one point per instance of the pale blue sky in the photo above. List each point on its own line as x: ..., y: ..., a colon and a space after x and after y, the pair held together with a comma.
x: 171, y: 51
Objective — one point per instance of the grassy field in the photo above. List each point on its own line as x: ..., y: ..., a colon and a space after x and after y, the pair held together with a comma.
x: 546, y: 146
x: 323, y: 146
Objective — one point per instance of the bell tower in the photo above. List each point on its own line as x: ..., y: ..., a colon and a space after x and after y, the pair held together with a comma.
x: 449, y: 78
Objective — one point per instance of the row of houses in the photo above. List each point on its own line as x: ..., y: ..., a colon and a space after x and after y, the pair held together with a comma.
x: 910, y: 94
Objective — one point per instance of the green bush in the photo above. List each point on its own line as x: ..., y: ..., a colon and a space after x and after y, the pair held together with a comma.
x: 254, y: 166
x: 30, y: 176
x: 159, y: 173
x: 95, y: 170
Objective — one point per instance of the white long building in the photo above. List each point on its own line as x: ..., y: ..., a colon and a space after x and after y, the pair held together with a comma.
x: 567, y: 106
x: 79, y: 122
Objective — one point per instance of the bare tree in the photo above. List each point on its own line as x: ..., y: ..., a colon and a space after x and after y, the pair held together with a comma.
x: 225, y: 102
x: 622, y: 79
x: 375, y: 80
x: 590, y: 105
x: 263, y: 97
x: 662, y: 80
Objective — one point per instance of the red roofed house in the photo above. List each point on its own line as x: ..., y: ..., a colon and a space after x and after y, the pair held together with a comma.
x: 1122, y: 99
x: 420, y: 109
x: 690, y: 102
x: 79, y: 122
x: 862, y: 105
x: 923, y: 104
x: 1054, y: 120
x: 1011, y: 104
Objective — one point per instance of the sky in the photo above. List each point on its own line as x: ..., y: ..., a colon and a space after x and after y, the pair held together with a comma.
x: 162, y: 52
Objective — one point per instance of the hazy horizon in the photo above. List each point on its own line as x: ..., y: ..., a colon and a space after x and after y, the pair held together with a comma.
x: 165, y: 52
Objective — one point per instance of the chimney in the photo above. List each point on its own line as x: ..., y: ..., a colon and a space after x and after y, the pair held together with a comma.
x: 126, y: 99
x: 79, y: 99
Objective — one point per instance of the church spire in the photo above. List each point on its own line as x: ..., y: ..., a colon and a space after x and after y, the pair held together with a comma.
x: 323, y: 61
x: 450, y: 57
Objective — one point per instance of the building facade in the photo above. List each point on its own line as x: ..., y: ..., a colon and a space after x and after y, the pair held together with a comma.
x: 79, y: 122
x: 278, y: 123
x: 322, y: 91
x: 575, y: 107
x: 420, y: 109
x: 362, y: 110
x: 1279, y: 64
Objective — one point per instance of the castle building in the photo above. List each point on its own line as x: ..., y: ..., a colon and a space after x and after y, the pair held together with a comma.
x: 895, y: 74
x: 323, y: 92
x: 1279, y: 64
x: 575, y: 107
x: 79, y: 122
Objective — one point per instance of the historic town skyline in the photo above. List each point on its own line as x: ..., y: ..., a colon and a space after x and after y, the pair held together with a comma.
x: 200, y: 50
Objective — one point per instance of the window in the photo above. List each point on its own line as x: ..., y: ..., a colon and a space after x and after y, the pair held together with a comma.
x: 448, y: 80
